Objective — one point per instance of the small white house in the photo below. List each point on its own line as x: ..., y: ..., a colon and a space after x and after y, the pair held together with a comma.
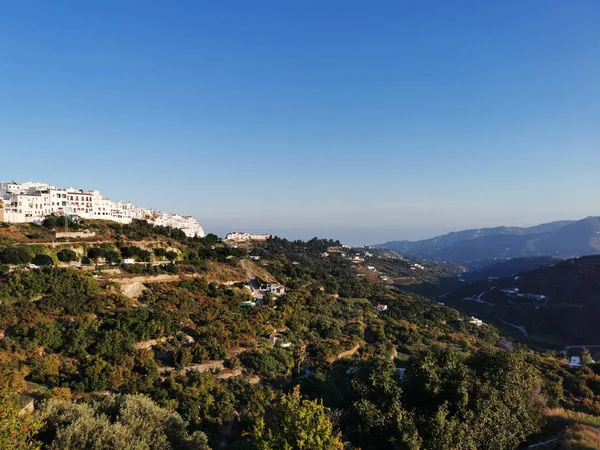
x: 383, y: 277
x: 370, y: 267
x: 275, y: 289
x: 381, y: 307
x: 513, y: 291
x: 128, y: 261
x: 476, y: 321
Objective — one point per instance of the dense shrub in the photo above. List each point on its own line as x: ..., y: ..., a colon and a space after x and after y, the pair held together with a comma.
x: 127, y: 422
x: 42, y: 260
x: 270, y: 364
x: 66, y: 255
x: 15, y: 255
x: 109, y: 254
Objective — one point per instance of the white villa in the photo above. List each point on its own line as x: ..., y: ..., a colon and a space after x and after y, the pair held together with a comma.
x: 476, y: 321
x: 32, y: 201
x: 241, y: 237
x: 275, y: 289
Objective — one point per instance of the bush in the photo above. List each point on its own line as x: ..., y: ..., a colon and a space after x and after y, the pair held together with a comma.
x: 43, y: 260
x: 17, y: 430
x: 35, y: 236
x: 135, y: 252
x: 126, y: 422
x: 160, y: 252
x: 15, y: 255
x: 95, y: 253
x: 52, y: 222
x: 144, y: 256
x: 66, y: 255
x: 109, y: 254
x: 269, y: 364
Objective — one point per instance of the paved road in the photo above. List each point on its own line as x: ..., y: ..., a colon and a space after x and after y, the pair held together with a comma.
x: 580, y: 346
x: 518, y: 327
x: 484, y: 292
x: 543, y: 444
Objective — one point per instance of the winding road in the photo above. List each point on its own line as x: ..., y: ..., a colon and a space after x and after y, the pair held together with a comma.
x: 518, y: 327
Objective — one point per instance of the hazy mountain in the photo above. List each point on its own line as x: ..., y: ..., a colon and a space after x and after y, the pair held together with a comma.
x: 477, y: 247
x: 513, y: 266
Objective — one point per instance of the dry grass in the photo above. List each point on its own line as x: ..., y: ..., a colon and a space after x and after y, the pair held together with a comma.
x: 569, y: 418
x: 575, y: 430
x: 225, y: 273
x: 580, y: 437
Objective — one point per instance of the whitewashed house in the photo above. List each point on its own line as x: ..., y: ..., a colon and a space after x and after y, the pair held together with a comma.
x: 275, y: 289
x: 32, y: 202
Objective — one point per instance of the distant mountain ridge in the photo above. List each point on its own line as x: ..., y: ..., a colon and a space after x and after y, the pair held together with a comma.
x: 504, y: 268
x: 477, y: 247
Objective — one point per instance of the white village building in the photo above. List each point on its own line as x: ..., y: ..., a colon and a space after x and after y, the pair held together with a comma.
x: 241, y: 236
x: 32, y: 202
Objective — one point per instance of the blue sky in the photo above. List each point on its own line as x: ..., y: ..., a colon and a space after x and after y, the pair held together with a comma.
x: 364, y: 120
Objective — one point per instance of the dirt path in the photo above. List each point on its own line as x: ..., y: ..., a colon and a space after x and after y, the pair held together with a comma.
x: 164, y: 278
x: 133, y: 290
x: 344, y: 354
x: 133, y: 287
x: 210, y: 365
x: 95, y: 242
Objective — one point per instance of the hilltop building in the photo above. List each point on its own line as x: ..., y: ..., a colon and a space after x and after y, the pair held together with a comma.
x: 32, y: 201
x: 242, y: 237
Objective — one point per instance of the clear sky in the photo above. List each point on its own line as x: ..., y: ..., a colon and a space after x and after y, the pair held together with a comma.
x: 367, y: 120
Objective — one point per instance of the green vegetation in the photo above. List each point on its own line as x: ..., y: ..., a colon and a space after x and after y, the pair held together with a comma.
x: 179, y: 363
x: 16, y: 255
x: 17, y: 431
x: 279, y: 428
x: 66, y: 255
x: 125, y: 422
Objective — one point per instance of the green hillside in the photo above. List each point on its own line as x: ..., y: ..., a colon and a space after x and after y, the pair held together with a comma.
x: 182, y: 343
x: 568, y: 315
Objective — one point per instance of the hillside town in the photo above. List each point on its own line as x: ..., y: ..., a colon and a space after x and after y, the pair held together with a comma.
x: 33, y: 201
